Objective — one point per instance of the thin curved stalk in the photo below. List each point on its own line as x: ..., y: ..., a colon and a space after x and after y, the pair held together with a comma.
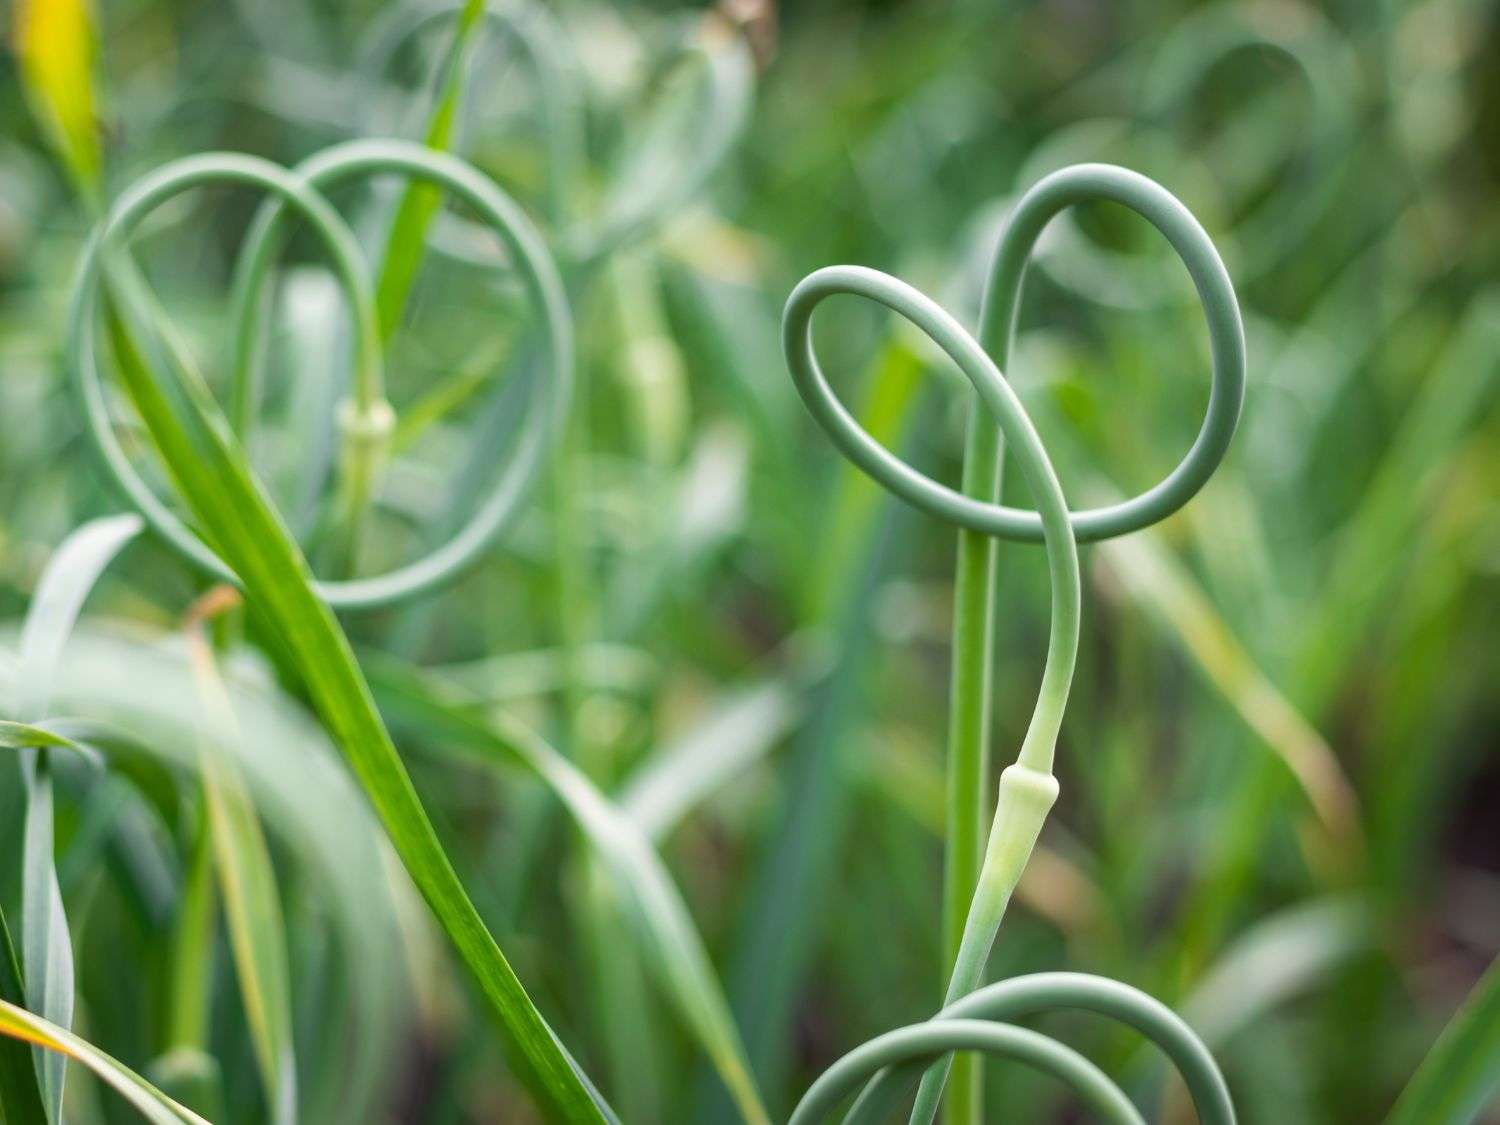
x: 1027, y: 788
x: 297, y: 191
x: 892, y: 1075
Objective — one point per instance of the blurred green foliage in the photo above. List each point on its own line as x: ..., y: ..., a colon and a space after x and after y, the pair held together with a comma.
x: 1279, y: 770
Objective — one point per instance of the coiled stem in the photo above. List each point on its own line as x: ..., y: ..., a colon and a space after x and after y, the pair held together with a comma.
x: 367, y: 415
x: 1027, y: 788
x: 892, y: 1063
x: 707, y: 45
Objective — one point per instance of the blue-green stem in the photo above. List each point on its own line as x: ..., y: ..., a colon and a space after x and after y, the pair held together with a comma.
x: 898, y: 1058
x: 1011, y: 837
x: 297, y: 191
x: 969, y: 710
x: 1027, y: 789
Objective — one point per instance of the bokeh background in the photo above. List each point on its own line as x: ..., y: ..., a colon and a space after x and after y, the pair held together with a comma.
x: 1279, y: 769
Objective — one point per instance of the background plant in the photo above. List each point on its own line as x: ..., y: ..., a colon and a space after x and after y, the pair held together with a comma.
x: 1283, y: 690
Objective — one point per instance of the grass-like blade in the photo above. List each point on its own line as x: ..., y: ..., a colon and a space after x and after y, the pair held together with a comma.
x: 1275, y: 960
x: 133, y: 696
x: 247, y: 882
x: 70, y: 575
x: 20, y: 1091
x: 46, y: 944
x: 25, y: 736
x: 56, y: 42
x: 17, y: 1023
x: 1461, y: 1074
x: 641, y: 879
x: 1156, y: 578
x: 211, y: 472
x: 737, y: 732
x: 405, y: 245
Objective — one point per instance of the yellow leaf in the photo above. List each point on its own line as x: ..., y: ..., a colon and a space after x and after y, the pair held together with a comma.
x: 153, y: 1105
x: 55, y: 43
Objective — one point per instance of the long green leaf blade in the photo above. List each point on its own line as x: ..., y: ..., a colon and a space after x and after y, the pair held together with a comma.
x: 623, y: 850
x: 247, y: 881
x: 1461, y: 1074
x: 46, y: 944
x: 211, y: 472
x: 404, y: 246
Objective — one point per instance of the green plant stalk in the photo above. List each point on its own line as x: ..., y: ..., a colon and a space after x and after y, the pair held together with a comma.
x: 893, y: 1061
x: 191, y: 990
x: 1026, y: 795
x: 969, y: 711
x: 365, y: 421
x: 367, y: 426
x: 1027, y: 789
x: 299, y: 191
x: 976, y: 872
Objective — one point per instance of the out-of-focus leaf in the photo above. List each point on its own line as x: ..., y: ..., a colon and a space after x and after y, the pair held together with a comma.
x: 71, y: 573
x: 215, y: 479
x: 314, y: 355
x: 156, y: 1107
x: 56, y: 42
x: 24, y: 736
x: 135, y: 693
x: 448, y: 395
x: 20, y: 1093
x: 1461, y: 1073
x: 1374, y: 545
x: 1155, y: 577
x: 601, y: 666
x: 46, y: 945
x: 247, y: 881
x: 736, y: 734
x: 648, y: 363
x: 676, y: 951
x: 1273, y: 961
x: 404, y: 246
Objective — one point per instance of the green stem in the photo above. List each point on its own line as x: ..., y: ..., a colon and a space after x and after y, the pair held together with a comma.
x: 969, y: 710
x: 192, y: 951
x: 1027, y: 789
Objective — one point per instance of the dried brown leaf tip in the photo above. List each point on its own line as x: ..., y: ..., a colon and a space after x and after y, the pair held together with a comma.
x: 757, y: 21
